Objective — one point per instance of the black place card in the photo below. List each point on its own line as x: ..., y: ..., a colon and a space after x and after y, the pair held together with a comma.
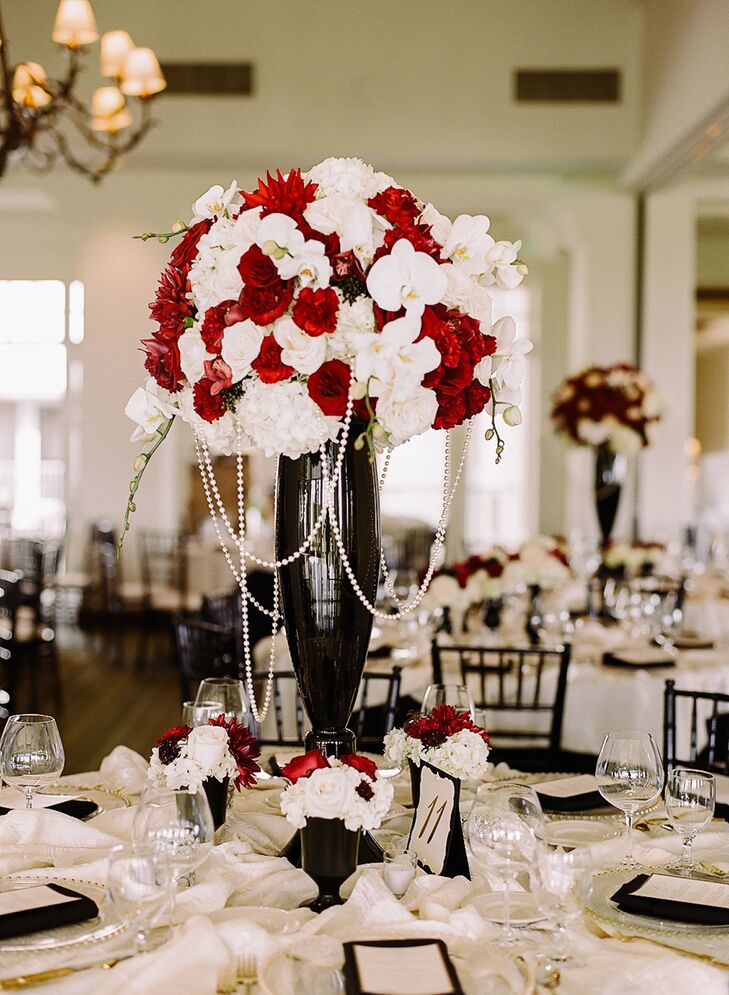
x: 681, y: 899
x: 570, y: 794
x: 42, y: 906
x: 399, y: 967
x: 436, y: 835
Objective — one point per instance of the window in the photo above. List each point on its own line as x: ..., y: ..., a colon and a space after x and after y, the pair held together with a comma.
x: 36, y: 327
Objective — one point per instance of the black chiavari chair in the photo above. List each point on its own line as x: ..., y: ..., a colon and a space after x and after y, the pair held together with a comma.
x: 9, y: 604
x: 710, y: 708
x: 203, y: 650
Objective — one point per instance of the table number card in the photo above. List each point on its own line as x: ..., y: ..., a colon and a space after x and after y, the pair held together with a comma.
x: 408, y: 967
x: 436, y: 835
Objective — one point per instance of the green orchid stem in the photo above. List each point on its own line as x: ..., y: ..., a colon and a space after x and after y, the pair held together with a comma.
x: 144, y: 459
x: 493, y: 432
x: 161, y: 236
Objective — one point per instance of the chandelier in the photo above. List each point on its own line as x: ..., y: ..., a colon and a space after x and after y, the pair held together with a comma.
x: 42, y: 120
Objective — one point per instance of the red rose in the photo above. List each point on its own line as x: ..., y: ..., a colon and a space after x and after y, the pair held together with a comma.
x: 277, y: 195
x: 363, y: 764
x: 171, y: 306
x: 316, y: 310
x: 208, y: 405
x: 304, y: 765
x: 397, y: 205
x: 185, y: 252
x: 329, y: 387
x: 257, y: 270
x: 262, y: 304
x: 219, y: 373
x: 163, y: 361
x: 267, y: 363
x: 213, y: 326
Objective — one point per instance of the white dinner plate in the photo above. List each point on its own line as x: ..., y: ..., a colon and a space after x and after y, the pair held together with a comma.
x: 522, y: 908
x: 580, y: 832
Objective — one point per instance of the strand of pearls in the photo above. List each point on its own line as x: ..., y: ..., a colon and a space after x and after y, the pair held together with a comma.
x: 437, y: 543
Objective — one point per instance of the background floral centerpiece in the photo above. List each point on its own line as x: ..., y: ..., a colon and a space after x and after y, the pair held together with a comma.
x: 445, y: 738
x: 540, y: 562
x: 634, y: 558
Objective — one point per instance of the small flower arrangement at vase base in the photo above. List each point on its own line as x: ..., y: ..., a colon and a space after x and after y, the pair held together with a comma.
x: 208, y: 756
x: 330, y: 801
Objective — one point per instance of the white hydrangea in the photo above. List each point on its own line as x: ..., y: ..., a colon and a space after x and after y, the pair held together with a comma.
x: 351, y: 177
x: 463, y: 755
x: 282, y: 418
x: 184, y: 772
x: 220, y: 435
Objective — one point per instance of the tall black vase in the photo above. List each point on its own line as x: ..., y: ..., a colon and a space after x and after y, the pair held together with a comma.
x: 327, y: 627
x: 609, y: 479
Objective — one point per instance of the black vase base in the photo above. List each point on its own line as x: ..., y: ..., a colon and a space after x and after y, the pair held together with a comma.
x: 332, y: 742
x: 327, y: 899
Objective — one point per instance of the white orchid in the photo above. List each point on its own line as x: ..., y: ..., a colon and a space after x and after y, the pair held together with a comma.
x: 216, y: 202
x: 362, y: 231
x: 505, y: 269
x: 440, y: 225
x: 311, y: 265
x: 241, y: 344
x: 304, y: 352
x: 149, y: 410
x: 406, y: 278
x: 392, y: 361
x: 507, y: 366
x: 469, y: 243
x: 278, y: 236
x: 192, y: 355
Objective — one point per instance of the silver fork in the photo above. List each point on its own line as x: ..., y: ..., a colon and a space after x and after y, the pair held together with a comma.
x: 247, y: 971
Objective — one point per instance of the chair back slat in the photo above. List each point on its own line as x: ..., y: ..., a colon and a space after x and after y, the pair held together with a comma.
x: 715, y: 713
x: 203, y: 650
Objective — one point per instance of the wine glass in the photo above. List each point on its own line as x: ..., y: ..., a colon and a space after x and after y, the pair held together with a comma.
x: 690, y: 796
x: 199, y: 713
x: 503, y: 829
x: 31, y: 753
x: 553, y: 876
x: 228, y: 694
x: 138, y: 882
x: 629, y: 776
x: 178, y: 825
x: 456, y: 695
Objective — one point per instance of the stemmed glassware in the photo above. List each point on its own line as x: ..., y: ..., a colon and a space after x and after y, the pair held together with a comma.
x: 456, y: 695
x: 31, y: 753
x: 138, y: 881
x: 199, y: 713
x: 178, y: 826
x: 226, y: 692
x: 690, y: 797
x: 629, y: 776
x: 504, y: 828
x: 553, y: 877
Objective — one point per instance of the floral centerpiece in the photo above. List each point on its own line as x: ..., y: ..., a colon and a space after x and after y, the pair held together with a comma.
x: 207, y: 756
x: 460, y: 586
x: 330, y: 801
x: 614, y: 410
x: 445, y: 738
x: 633, y: 558
x: 540, y: 562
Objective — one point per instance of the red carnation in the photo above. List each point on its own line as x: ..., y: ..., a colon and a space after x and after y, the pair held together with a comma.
x: 213, y: 326
x: 163, y: 361
x: 329, y: 387
x: 219, y: 373
x: 242, y: 747
x: 262, y: 304
x: 277, y: 195
x: 257, y: 269
x: 363, y: 764
x: 304, y: 765
x: 419, y: 237
x: 397, y: 205
x: 185, y: 252
x: 316, y: 310
x: 267, y: 363
x: 171, y: 306
x: 208, y: 405
x: 477, y: 397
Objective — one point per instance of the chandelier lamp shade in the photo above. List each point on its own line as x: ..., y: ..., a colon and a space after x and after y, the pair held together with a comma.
x: 44, y: 122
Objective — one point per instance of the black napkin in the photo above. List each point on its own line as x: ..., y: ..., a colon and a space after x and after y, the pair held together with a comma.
x: 48, y: 916
x: 614, y: 660
x: 574, y: 803
x: 663, y: 908
x: 381, y: 653
x: 76, y: 807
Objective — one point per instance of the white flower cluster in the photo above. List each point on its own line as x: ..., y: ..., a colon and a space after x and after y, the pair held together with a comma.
x: 538, y: 565
x: 283, y: 416
x: 203, y: 754
x: 463, y: 755
x: 331, y: 793
x: 633, y: 557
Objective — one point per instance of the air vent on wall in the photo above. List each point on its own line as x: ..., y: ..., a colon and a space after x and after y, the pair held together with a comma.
x: 567, y: 85
x: 209, y: 78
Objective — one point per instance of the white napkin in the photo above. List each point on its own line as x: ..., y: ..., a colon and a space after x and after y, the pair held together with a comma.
x: 124, y: 770
x: 40, y: 837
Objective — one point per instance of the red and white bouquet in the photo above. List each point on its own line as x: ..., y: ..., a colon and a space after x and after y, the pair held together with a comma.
x: 185, y: 757
x: 282, y: 305
x: 634, y: 557
x: 468, y: 582
x: 348, y: 788
x: 445, y: 738
x: 617, y: 406
x: 541, y: 562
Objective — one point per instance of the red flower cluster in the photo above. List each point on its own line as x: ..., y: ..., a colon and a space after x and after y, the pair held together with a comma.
x: 397, y: 205
x: 214, y: 325
x: 169, y: 743
x: 442, y: 723
x: 307, y: 763
x: 329, y: 387
x: 315, y: 311
x: 277, y: 195
x: 268, y: 364
x: 242, y: 746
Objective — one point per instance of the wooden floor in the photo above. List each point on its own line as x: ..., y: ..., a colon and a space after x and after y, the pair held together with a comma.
x: 105, y: 702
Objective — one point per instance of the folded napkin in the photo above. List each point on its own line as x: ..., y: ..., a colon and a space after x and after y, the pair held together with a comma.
x: 39, y: 907
x: 10, y: 800
x: 639, y: 656
x: 42, y: 837
x: 570, y: 794
x: 675, y: 908
x: 124, y: 770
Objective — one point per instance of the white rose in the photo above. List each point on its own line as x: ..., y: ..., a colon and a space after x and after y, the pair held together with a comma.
x: 192, y: 355
x: 328, y: 793
x: 304, y: 352
x: 402, y: 419
x: 241, y: 344
x: 225, y: 282
x: 207, y: 745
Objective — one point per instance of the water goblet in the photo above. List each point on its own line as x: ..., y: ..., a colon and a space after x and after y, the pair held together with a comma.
x: 690, y: 796
x: 456, y: 695
x: 504, y: 827
x: 199, y: 713
x: 228, y: 693
x: 138, y: 882
x: 31, y: 753
x: 629, y: 776
x: 553, y: 876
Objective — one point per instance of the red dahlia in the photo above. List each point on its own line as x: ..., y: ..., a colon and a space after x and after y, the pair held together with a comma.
x: 208, y: 405
x: 329, y: 387
x: 171, y: 306
x: 268, y: 363
x: 278, y: 195
x: 315, y: 311
x: 242, y: 747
